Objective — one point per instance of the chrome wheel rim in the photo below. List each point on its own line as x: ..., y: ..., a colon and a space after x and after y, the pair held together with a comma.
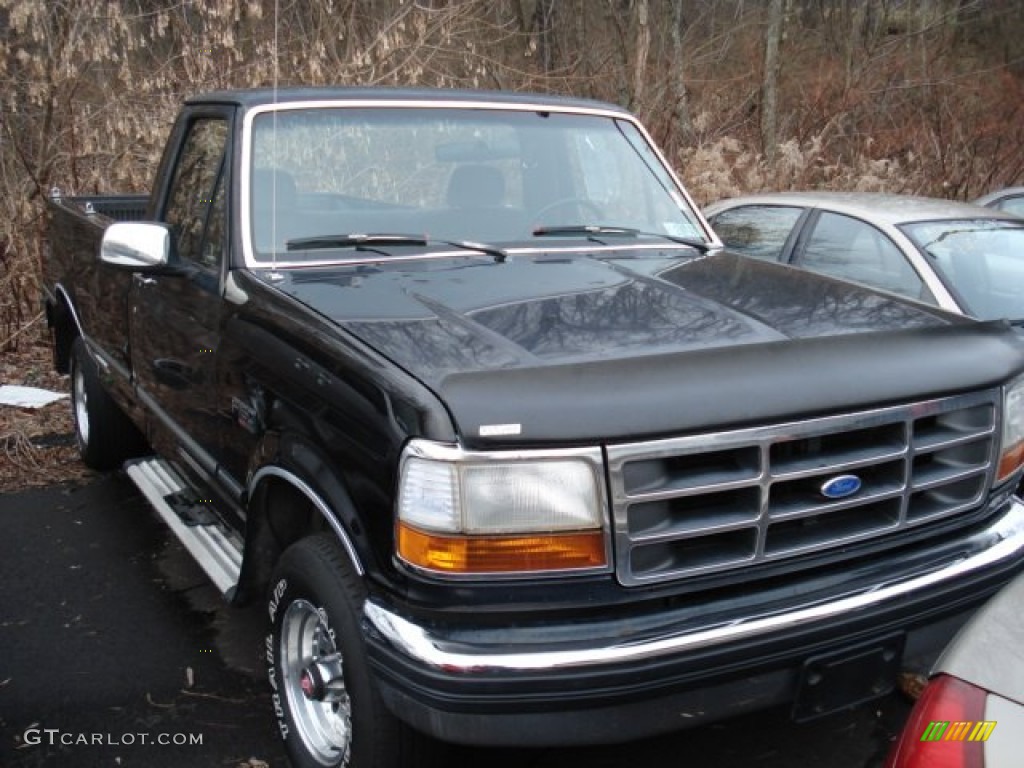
x: 323, y: 717
x: 81, y: 405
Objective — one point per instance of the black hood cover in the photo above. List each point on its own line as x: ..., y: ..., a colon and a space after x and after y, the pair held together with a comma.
x: 637, y: 343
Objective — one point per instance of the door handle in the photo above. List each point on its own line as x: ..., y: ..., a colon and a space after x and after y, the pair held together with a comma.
x: 144, y: 280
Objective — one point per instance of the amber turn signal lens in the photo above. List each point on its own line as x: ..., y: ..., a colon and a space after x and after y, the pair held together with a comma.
x: 501, y: 554
x: 1011, y: 459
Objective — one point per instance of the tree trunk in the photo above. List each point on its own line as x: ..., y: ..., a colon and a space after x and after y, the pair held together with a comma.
x: 543, y: 27
x: 770, y: 81
x: 680, y: 100
x: 643, y: 49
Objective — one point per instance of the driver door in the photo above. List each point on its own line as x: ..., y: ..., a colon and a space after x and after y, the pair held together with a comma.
x: 176, y: 318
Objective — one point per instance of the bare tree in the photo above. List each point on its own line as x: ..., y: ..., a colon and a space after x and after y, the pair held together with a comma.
x: 677, y: 76
x: 770, y: 80
x: 543, y: 26
x: 642, y: 48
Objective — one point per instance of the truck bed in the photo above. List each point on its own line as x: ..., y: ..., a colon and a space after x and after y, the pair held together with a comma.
x: 115, y: 207
x: 71, y: 268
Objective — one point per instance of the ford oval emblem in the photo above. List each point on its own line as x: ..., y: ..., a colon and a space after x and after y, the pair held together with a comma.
x: 840, y: 487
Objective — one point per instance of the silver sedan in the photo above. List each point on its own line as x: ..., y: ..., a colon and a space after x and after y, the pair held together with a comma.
x: 1010, y: 200
x: 971, y: 713
x: 957, y: 256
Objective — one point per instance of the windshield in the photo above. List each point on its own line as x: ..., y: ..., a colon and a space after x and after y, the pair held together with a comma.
x: 492, y: 176
x: 981, y: 260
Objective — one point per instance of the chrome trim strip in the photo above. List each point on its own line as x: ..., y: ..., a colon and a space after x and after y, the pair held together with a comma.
x: 71, y: 308
x: 588, y: 248
x: 420, y: 645
x: 714, y: 241
x: 427, y: 449
x: 105, y: 361
x: 300, y: 485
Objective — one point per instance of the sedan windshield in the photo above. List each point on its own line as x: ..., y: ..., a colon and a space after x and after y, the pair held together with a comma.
x: 492, y: 176
x: 981, y: 260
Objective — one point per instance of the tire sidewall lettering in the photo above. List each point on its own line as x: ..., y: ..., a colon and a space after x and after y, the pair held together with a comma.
x: 282, y: 723
x: 275, y: 598
x: 274, y: 605
x: 277, y: 606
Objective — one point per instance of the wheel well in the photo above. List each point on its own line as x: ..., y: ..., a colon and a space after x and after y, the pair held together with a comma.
x: 289, y: 514
x: 280, y: 515
x: 65, y: 332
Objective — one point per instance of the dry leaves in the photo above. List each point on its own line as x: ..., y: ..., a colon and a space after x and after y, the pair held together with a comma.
x: 37, y: 446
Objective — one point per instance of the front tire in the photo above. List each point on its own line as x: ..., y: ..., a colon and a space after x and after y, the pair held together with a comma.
x: 328, y: 709
x: 106, y: 436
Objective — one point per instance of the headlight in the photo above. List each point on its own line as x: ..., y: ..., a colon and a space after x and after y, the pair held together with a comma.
x: 478, y: 514
x: 1011, y: 452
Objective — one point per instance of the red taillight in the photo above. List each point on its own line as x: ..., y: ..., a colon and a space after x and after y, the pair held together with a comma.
x: 926, y: 743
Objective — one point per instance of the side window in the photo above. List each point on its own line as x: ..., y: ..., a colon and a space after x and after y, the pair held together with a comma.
x: 212, y: 253
x: 758, y: 231
x: 851, y: 249
x: 197, y: 195
x: 1014, y: 205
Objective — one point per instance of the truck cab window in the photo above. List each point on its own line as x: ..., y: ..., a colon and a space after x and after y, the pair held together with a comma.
x: 195, y: 189
x: 212, y: 252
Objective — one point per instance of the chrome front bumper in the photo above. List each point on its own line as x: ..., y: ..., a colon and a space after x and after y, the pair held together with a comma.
x: 422, y: 647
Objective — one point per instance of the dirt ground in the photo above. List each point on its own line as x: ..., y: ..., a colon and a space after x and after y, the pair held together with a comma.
x: 37, y: 446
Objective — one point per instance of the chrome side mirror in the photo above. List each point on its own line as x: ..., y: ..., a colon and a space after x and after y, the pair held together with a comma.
x: 136, y: 245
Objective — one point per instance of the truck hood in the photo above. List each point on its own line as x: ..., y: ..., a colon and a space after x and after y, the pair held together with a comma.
x: 621, y: 344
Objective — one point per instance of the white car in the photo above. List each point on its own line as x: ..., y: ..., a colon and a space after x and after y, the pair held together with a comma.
x: 956, y: 256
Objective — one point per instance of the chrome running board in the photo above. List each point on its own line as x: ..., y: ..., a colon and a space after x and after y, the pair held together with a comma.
x: 218, y: 555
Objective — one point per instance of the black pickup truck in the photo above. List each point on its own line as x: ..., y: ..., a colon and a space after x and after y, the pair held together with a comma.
x: 465, y: 387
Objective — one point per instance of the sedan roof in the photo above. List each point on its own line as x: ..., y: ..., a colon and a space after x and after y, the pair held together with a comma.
x: 881, y: 208
x: 999, y: 194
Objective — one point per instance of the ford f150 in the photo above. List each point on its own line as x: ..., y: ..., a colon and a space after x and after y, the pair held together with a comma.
x: 467, y: 387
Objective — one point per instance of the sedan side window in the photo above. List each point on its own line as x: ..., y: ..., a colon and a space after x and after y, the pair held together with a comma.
x: 758, y: 231
x: 851, y: 249
x: 1014, y: 205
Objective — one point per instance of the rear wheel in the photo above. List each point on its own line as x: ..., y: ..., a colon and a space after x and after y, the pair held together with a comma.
x: 328, y: 709
x: 105, y: 435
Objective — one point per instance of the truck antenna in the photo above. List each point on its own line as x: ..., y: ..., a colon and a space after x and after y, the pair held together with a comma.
x: 274, y: 274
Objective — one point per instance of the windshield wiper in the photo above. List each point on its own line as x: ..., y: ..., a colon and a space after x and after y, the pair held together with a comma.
x: 352, y: 240
x: 592, y: 231
x: 372, y: 241
x: 470, y: 245
x: 557, y: 230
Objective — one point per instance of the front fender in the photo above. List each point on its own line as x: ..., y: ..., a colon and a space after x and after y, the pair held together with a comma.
x: 294, y: 489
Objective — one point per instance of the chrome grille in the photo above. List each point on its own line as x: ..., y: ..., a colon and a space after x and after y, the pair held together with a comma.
x: 717, y: 502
